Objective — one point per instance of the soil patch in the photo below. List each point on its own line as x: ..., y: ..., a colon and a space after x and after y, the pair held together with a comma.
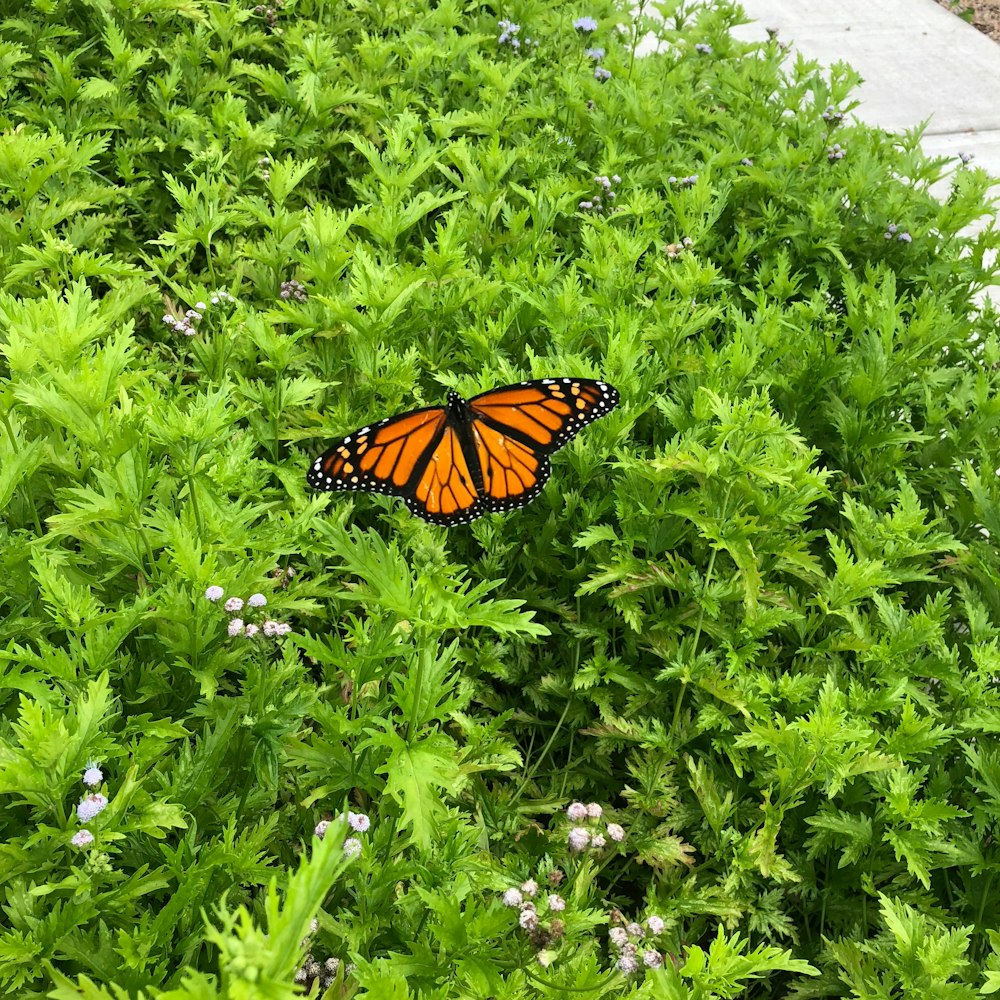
x: 982, y: 14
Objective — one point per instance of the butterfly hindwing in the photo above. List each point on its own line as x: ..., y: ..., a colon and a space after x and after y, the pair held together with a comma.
x: 513, y: 472
x: 445, y: 491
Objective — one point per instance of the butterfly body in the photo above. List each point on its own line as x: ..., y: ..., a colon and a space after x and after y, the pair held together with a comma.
x: 454, y: 463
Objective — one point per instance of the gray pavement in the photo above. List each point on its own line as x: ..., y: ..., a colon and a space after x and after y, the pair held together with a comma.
x: 918, y: 60
x: 919, y: 63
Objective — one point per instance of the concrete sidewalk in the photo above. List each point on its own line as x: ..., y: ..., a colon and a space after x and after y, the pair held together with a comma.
x: 918, y: 61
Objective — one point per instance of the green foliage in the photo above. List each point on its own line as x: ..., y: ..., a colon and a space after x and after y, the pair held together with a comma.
x: 754, y: 616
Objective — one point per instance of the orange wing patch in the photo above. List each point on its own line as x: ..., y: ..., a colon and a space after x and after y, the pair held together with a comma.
x: 445, y: 489
x: 536, y: 414
x: 381, y: 458
x: 510, y: 469
x: 397, y: 447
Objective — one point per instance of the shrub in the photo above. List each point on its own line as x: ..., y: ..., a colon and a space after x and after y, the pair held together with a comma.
x: 715, y: 714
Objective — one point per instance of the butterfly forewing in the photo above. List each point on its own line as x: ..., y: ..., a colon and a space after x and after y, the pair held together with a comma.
x: 380, y: 458
x: 548, y: 412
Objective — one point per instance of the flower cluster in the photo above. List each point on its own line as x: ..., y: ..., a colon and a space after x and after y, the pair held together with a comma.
x: 674, y: 250
x: 282, y: 576
x: 90, y: 805
x: 746, y: 162
x: 269, y: 11
x: 704, y: 48
x: 580, y: 838
x: 293, y: 290
x: 604, y: 184
x: 358, y: 822
x: 237, y: 626
x: 832, y: 116
x: 966, y: 157
x: 683, y: 181
x: 536, y: 914
x: 626, y: 939
x: 187, y: 322
x: 508, y: 36
x: 325, y: 972
x: 835, y: 152
x: 587, y: 26
x: 892, y: 230
x: 265, y: 163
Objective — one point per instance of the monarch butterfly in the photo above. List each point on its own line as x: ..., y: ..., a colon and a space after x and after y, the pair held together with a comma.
x: 454, y: 463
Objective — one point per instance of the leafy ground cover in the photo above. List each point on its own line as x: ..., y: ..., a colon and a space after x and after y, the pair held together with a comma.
x: 716, y: 715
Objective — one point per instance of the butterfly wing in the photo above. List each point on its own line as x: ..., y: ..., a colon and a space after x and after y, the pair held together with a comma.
x: 381, y: 458
x: 516, y: 427
x: 415, y: 455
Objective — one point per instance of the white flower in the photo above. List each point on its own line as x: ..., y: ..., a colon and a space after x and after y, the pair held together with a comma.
x: 556, y: 902
x: 627, y: 964
x: 358, y: 822
x: 82, y: 838
x: 618, y: 936
x: 93, y: 776
x: 234, y: 604
x: 616, y: 833
x: 655, y: 924
x: 512, y: 897
x: 90, y: 807
x: 529, y: 888
x: 576, y: 811
x: 352, y: 847
x: 594, y: 810
x: 652, y: 959
x: 251, y: 630
x: 214, y: 593
x: 235, y: 626
x: 578, y: 838
x: 321, y: 827
x: 257, y: 600
x: 528, y: 919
